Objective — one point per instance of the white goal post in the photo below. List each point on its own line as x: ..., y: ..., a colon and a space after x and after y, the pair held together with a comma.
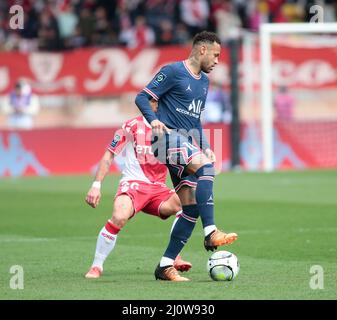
x: 266, y: 30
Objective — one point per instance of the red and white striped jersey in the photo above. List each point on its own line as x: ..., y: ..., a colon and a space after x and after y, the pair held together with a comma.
x: 133, y: 143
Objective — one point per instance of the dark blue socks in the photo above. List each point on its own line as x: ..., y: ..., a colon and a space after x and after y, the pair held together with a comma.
x: 204, y: 194
x: 205, y: 208
x: 182, y: 231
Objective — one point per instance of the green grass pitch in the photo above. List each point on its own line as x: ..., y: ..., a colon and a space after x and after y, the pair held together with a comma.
x: 286, y: 222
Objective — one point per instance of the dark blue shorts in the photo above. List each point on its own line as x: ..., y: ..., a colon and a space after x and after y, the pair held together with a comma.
x: 176, y: 152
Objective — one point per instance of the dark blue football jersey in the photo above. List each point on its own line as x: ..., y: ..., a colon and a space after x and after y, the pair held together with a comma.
x: 181, y: 95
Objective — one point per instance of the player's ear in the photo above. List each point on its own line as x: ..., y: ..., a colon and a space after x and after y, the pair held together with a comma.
x: 203, y: 49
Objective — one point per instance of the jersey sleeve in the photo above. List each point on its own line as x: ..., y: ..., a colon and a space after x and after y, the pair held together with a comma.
x: 162, y: 82
x: 121, y: 138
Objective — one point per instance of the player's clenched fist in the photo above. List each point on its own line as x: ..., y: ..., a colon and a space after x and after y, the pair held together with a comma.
x: 93, y: 197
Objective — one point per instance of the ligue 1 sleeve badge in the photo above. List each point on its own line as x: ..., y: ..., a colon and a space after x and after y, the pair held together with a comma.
x: 115, y: 140
x: 160, y: 77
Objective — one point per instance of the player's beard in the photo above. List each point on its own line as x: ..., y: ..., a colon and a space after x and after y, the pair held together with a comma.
x: 207, y: 67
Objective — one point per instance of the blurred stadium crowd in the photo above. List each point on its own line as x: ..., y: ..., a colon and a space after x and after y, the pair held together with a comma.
x: 53, y: 25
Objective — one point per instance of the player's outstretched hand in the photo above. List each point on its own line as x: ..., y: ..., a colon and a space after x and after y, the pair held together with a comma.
x: 159, y: 128
x: 93, y: 197
x: 210, y: 155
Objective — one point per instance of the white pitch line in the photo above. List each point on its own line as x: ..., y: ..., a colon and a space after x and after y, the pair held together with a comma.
x: 11, y: 238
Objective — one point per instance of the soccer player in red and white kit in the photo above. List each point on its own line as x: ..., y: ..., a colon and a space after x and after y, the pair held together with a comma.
x: 141, y: 188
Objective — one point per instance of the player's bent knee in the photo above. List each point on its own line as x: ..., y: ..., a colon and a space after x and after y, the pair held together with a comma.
x: 123, y: 210
x: 174, y: 202
x: 170, y: 208
x: 176, y: 205
x: 119, y: 220
x: 175, y: 209
x: 170, y: 211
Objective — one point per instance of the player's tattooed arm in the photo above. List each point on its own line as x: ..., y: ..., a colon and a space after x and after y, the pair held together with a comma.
x: 94, y: 194
x: 104, y: 166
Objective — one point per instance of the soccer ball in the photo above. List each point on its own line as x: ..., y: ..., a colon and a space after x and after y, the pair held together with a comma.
x: 223, y: 266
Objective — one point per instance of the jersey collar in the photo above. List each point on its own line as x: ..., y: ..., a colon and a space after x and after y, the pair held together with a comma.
x: 190, y: 72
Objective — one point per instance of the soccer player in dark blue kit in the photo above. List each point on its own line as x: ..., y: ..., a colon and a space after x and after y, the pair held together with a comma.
x: 178, y: 141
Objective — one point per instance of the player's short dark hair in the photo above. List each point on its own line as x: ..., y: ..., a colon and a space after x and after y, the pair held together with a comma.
x: 206, y: 37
